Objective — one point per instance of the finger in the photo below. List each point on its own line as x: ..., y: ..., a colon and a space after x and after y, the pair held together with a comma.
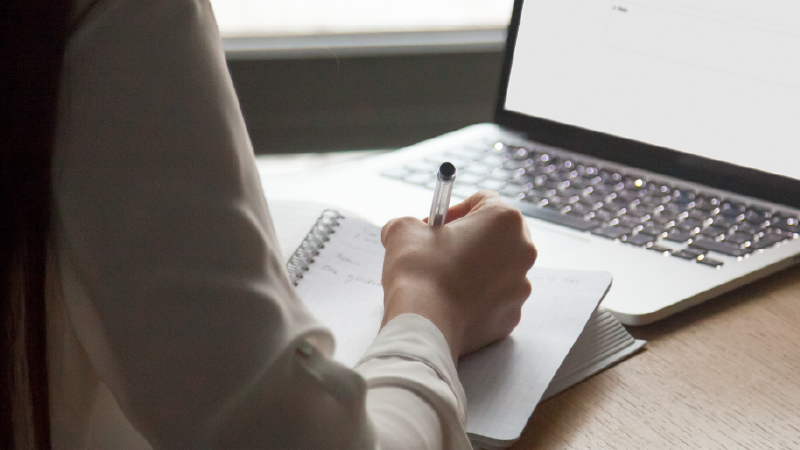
x: 386, y: 230
x: 472, y: 203
x: 398, y: 225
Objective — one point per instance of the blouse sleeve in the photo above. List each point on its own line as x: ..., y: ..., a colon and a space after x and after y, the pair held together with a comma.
x: 170, y: 268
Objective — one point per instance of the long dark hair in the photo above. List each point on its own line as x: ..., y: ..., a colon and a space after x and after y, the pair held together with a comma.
x: 33, y: 36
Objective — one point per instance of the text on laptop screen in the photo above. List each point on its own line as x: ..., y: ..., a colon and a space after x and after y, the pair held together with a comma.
x: 715, y: 78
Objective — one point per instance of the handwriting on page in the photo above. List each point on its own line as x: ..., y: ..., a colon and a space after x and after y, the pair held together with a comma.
x: 343, y: 288
x: 368, y: 235
x: 537, y: 278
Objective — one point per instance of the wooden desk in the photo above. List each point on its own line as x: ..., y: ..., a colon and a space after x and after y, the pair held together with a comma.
x: 723, y: 375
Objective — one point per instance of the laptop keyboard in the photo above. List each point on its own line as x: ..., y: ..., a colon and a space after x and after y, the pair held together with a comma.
x: 558, y: 188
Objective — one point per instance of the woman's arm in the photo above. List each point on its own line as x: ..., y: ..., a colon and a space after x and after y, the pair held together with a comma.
x: 170, y: 268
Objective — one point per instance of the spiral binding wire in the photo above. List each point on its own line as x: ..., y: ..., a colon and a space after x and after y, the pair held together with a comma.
x: 313, y: 242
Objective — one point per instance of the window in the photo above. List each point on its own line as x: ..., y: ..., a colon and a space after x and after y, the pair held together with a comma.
x: 321, y: 75
x: 243, y: 18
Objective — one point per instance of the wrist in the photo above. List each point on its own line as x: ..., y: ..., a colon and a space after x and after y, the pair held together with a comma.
x: 417, y: 296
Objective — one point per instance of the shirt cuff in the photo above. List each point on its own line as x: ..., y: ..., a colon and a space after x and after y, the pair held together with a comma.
x: 413, y: 338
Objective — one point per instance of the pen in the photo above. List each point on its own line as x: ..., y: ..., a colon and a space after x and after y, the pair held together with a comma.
x: 441, y: 196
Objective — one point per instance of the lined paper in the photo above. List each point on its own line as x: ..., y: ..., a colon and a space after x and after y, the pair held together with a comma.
x: 503, y: 382
x: 343, y: 288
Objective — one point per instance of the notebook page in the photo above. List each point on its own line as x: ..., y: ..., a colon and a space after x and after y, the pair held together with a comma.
x: 342, y: 288
x: 292, y: 221
x: 505, y: 382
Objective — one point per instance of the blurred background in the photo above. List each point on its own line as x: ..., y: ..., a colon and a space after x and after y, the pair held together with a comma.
x: 326, y: 75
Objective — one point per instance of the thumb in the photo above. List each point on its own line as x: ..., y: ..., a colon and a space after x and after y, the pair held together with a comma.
x: 473, y: 203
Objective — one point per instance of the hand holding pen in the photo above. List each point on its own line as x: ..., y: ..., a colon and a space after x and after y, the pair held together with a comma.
x: 468, y: 277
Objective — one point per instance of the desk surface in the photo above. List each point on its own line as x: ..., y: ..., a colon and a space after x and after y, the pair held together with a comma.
x: 722, y: 375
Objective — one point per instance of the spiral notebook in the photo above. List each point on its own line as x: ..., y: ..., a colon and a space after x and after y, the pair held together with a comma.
x: 562, y: 338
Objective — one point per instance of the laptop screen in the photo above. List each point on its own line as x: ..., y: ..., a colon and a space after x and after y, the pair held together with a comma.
x: 713, y: 78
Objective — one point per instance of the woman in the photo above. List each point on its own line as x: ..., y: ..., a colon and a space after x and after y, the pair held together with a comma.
x: 164, y: 318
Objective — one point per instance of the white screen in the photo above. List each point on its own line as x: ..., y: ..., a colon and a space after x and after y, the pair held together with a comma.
x: 716, y: 78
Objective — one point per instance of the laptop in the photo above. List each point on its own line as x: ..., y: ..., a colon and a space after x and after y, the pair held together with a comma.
x: 658, y: 141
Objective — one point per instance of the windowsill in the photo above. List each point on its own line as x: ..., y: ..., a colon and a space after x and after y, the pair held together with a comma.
x: 364, y: 44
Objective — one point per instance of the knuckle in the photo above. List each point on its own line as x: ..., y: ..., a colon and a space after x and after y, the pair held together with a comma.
x: 513, y: 319
x: 486, y: 193
x: 398, y: 230
x: 529, y: 253
x: 510, y: 215
x: 527, y: 289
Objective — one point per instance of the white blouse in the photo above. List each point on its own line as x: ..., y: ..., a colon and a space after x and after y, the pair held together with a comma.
x: 171, y: 320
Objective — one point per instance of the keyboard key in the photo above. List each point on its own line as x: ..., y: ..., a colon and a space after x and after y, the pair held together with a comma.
x: 710, y: 262
x: 732, y: 209
x: 677, y: 236
x: 580, y: 208
x: 682, y: 196
x: 514, y: 190
x: 500, y: 174
x: 492, y: 185
x: 419, y: 179
x: 556, y: 217
x: 654, y: 229
x: 519, y: 153
x: 674, y: 208
x: 571, y: 192
x: 786, y: 223
x: 745, y: 227
x: 630, y: 221
x: 463, y: 191
x: 627, y: 196
x: 543, y: 192
x: 724, y: 221
x: 640, y: 239
x: 667, y: 220
x: 726, y: 248
x: 398, y: 173
x: 596, y: 197
x: 768, y: 240
x: 707, y: 204
x: 422, y: 167
x: 714, y: 231
x: 689, y: 223
x: 739, y: 238
x: 695, y: 251
x: 468, y: 178
x: 513, y: 164
x: 580, y: 184
x: 603, y: 215
x: 699, y: 215
x: 660, y: 249
x: 591, y: 204
x: 757, y: 217
x: 659, y: 190
x: 613, y: 232
x: 614, y: 208
x: 639, y: 212
x: 683, y: 254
